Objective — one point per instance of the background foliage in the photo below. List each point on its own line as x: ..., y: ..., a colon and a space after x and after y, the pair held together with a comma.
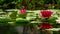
x: 30, y: 4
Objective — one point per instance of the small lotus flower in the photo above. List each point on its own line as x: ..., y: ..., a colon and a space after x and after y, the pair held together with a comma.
x: 23, y: 11
x: 46, y: 13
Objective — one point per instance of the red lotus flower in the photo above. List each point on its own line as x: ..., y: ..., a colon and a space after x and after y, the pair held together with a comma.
x: 46, y: 13
x: 46, y: 26
x: 23, y: 11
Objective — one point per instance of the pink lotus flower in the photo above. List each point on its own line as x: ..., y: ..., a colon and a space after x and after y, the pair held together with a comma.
x: 46, y: 13
x: 23, y: 11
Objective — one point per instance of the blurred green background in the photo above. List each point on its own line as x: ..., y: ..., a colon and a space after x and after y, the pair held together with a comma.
x: 30, y: 4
